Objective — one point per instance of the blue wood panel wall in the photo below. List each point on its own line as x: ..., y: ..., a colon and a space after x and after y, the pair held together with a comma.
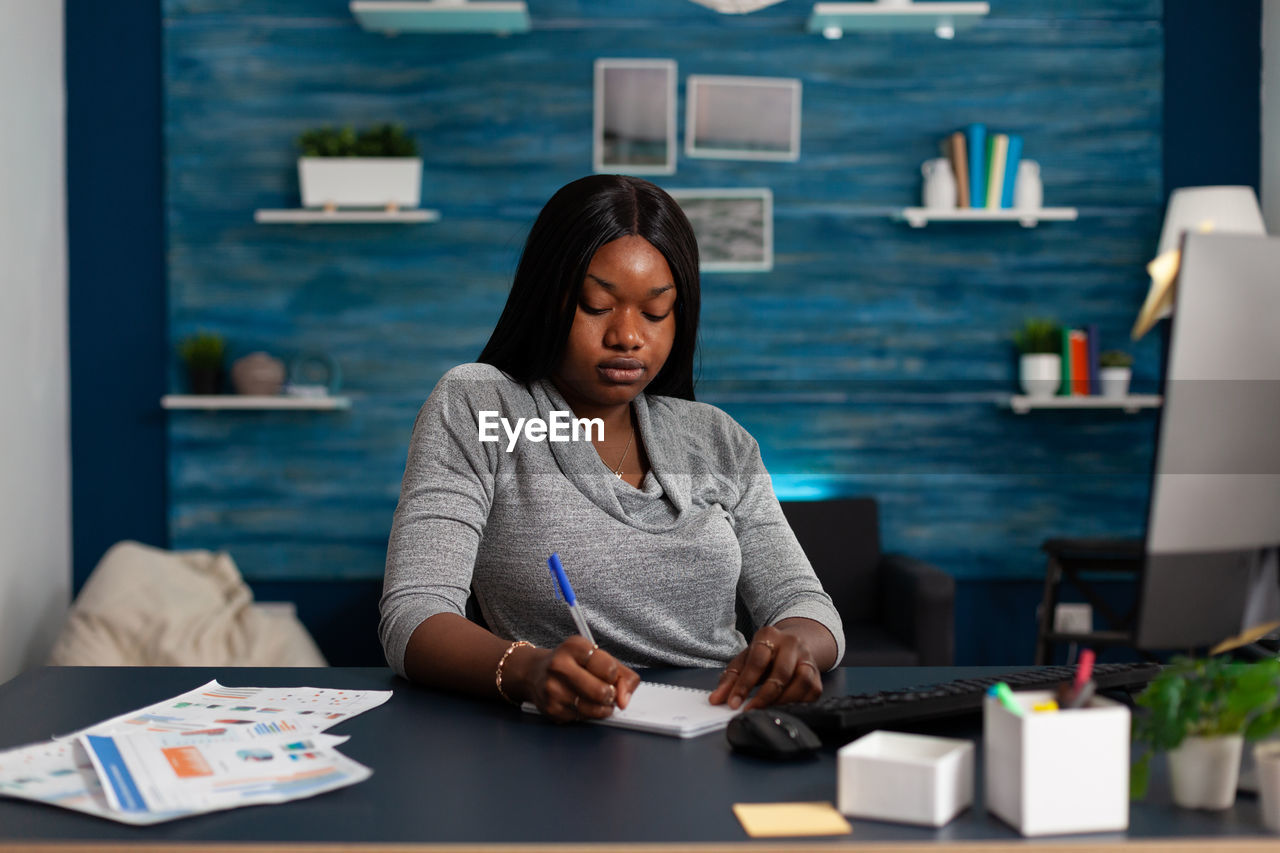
x: 867, y: 361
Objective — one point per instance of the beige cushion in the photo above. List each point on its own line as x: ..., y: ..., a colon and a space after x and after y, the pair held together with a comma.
x: 144, y: 606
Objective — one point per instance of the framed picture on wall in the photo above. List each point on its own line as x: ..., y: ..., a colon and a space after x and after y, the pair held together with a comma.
x: 635, y: 116
x: 734, y: 227
x: 742, y: 118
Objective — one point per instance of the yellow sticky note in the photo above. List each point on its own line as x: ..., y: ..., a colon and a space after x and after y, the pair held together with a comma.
x: 772, y: 820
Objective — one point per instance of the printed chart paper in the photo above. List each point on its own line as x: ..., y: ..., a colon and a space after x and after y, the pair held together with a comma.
x: 318, y: 708
x: 147, y: 772
x: 236, y: 746
x: 60, y: 773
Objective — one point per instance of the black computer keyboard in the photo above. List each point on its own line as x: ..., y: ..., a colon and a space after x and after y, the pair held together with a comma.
x: 839, y: 719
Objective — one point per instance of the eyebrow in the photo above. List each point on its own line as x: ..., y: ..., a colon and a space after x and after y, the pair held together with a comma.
x: 611, y: 287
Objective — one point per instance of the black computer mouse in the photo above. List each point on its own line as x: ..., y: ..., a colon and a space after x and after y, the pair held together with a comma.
x: 766, y: 733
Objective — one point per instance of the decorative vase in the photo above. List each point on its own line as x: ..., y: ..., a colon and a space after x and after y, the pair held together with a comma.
x: 1115, y: 381
x: 1028, y: 191
x: 1266, y: 760
x: 258, y: 374
x: 388, y: 182
x: 1040, y: 374
x: 1204, y: 771
x: 939, y: 184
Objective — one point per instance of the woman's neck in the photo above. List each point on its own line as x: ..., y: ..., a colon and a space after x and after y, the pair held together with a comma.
x: 616, y: 418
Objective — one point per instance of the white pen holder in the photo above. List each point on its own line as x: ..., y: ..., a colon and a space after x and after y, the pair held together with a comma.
x: 1057, y: 772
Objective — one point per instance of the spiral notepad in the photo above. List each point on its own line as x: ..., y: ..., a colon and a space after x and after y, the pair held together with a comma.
x: 667, y: 709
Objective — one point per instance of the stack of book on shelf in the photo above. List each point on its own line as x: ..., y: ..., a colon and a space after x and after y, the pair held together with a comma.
x: 985, y: 166
x: 1080, y: 362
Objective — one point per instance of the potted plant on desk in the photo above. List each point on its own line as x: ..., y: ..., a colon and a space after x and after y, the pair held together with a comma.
x: 378, y: 167
x: 1200, y: 712
x: 1039, y: 342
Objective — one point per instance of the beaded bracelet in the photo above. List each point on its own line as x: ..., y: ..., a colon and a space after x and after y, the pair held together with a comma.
x: 497, y: 678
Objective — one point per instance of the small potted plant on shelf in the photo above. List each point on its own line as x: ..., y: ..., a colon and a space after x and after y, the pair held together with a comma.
x: 1115, y: 368
x: 1200, y: 712
x: 1039, y: 342
x: 374, y: 168
x: 202, y: 354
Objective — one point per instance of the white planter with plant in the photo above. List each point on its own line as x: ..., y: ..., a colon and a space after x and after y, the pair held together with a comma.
x: 378, y: 167
x: 1200, y: 712
x: 1266, y: 760
x: 1204, y: 771
x: 1040, y: 362
x: 1115, y: 370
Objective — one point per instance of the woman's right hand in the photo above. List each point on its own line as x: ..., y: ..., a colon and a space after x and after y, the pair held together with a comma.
x: 579, y: 681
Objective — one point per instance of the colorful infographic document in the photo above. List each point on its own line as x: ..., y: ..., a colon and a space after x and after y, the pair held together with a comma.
x: 60, y: 773
x: 150, y: 772
x: 317, y: 709
x: 211, y: 748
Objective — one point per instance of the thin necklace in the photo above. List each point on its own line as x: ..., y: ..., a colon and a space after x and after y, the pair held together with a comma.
x: 618, y: 470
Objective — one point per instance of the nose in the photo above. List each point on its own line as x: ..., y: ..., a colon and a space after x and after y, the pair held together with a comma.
x: 624, y: 332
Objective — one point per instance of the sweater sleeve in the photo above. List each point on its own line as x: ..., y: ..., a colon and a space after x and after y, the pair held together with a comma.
x: 445, y: 498
x: 777, y: 579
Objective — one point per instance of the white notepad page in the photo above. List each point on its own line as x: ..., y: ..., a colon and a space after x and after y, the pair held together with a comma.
x: 667, y: 709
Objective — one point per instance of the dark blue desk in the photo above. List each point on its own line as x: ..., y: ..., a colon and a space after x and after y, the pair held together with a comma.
x: 452, y: 772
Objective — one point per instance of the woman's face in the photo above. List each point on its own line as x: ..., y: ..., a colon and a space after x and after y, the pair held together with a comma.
x: 623, y: 329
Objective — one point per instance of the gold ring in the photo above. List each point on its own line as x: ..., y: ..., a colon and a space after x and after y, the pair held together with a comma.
x: 613, y: 694
x: 575, y: 703
x: 771, y: 646
x: 816, y: 668
x: 729, y: 669
x: 777, y: 681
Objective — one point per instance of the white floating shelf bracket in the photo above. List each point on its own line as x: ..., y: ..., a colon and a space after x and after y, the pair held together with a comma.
x: 919, y: 217
x: 309, y: 216
x: 1130, y: 404
x: 211, y: 402
x: 833, y: 20
x: 442, y: 16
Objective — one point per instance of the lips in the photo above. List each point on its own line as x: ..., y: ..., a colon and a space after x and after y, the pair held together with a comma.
x: 621, y: 370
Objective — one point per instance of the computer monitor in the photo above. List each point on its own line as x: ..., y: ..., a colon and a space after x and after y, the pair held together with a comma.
x: 1213, y: 532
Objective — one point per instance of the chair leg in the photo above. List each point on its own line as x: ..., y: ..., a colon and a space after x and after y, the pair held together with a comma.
x: 1048, y: 605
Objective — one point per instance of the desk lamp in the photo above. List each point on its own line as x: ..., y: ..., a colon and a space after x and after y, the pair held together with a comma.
x: 1222, y: 209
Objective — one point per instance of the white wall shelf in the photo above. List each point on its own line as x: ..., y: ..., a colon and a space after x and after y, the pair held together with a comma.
x: 1130, y: 404
x: 833, y: 20
x: 248, y: 401
x: 918, y: 217
x: 308, y: 216
x: 442, y: 16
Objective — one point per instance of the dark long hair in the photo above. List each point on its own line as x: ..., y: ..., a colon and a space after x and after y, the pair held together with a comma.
x: 529, y: 340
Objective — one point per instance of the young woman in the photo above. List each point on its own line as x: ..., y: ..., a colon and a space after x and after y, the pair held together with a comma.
x: 663, y: 513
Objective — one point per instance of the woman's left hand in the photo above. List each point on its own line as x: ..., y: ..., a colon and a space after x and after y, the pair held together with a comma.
x: 779, y: 662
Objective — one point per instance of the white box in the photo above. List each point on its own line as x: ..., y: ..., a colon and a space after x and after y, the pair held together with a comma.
x: 1056, y: 772
x: 360, y: 181
x: 905, y: 778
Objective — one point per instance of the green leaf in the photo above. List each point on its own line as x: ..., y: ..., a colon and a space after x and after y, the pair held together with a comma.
x: 1140, y: 777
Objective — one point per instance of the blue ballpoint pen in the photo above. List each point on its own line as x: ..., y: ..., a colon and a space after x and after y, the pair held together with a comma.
x: 562, y: 581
